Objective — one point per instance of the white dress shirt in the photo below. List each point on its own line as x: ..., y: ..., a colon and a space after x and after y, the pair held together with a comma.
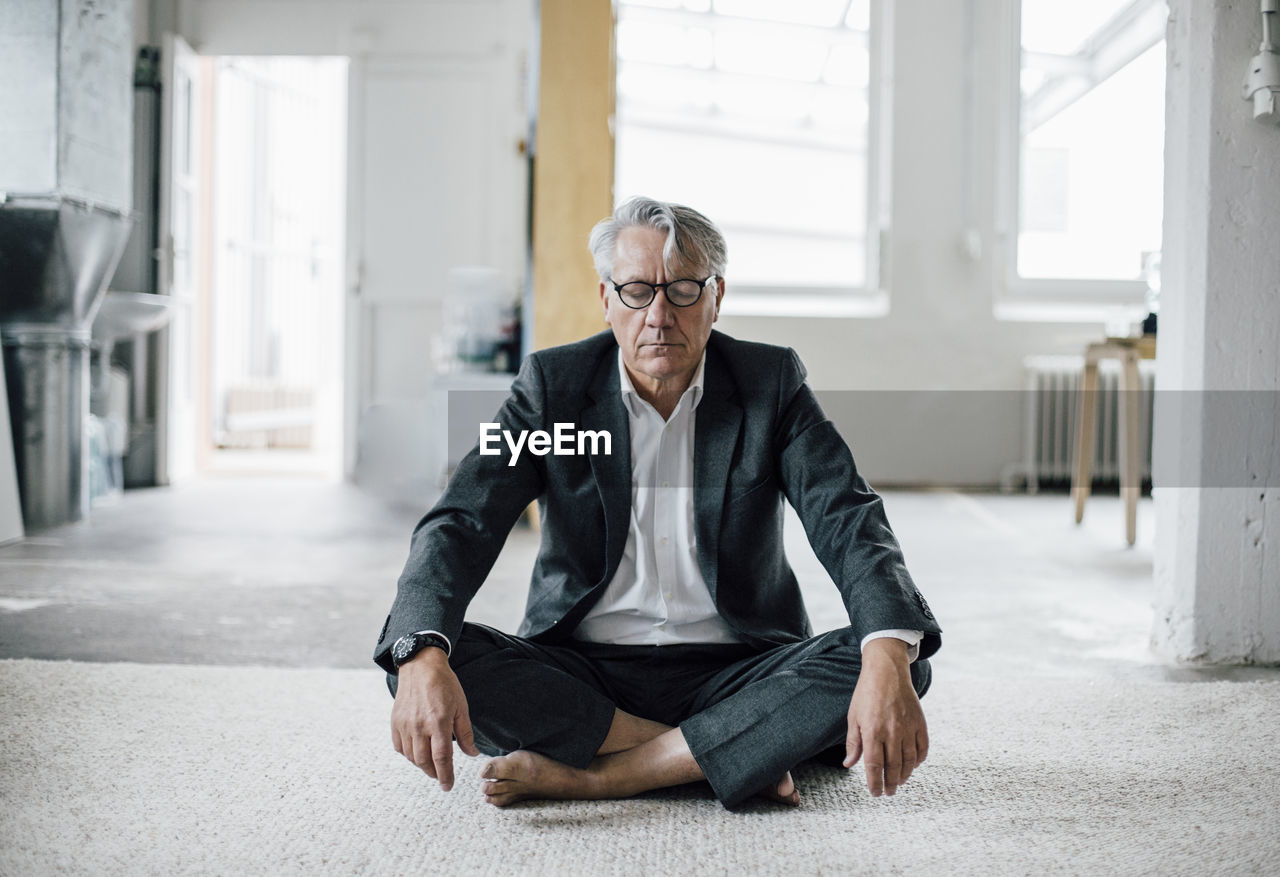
x: 657, y: 596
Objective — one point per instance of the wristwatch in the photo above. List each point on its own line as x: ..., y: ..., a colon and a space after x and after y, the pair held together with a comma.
x: 412, y: 643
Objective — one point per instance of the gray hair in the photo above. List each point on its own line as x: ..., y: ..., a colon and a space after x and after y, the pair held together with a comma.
x: 692, y: 239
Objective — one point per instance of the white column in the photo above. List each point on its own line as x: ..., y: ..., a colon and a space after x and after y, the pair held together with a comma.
x: 1217, y: 500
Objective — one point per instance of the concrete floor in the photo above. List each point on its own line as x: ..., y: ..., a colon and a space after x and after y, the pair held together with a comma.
x: 297, y: 572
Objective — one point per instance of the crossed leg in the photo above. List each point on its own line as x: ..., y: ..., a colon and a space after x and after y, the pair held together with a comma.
x: 565, y: 737
x: 636, y: 756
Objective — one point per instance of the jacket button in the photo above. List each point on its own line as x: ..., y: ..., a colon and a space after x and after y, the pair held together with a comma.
x: 924, y: 607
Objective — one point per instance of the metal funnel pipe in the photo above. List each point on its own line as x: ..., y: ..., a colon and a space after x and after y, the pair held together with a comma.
x: 56, y: 256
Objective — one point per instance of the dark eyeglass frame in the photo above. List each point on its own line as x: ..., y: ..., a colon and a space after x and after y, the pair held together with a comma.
x: 654, y: 287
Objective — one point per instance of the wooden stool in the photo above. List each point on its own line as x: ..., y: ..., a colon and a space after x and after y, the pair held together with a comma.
x: 1128, y: 351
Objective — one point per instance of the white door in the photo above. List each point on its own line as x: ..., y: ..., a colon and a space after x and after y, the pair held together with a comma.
x: 436, y: 181
x: 179, y: 211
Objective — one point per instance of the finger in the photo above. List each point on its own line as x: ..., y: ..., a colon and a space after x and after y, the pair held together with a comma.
x: 922, y: 745
x: 442, y: 755
x: 892, y: 768
x: 852, y: 746
x: 418, y: 750
x: 909, y: 761
x: 395, y: 739
x: 466, y: 738
x: 873, y: 761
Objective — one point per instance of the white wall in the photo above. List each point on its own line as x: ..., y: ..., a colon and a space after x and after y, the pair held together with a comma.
x: 68, y: 112
x: 1218, y: 509
x: 29, y: 104
x: 440, y: 28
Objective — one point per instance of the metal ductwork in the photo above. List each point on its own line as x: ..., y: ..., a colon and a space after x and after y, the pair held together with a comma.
x: 65, y: 215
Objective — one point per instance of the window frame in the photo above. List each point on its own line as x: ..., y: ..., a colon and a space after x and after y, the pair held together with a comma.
x: 1039, y: 298
x: 871, y: 298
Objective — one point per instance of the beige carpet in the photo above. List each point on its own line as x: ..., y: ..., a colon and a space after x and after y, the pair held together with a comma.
x: 137, y: 769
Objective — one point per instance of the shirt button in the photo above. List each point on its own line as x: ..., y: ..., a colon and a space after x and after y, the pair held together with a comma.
x: 666, y: 484
x: 664, y: 540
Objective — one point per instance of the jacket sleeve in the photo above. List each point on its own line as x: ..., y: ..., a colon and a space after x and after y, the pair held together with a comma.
x: 844, y: 518
x: 455, y: 545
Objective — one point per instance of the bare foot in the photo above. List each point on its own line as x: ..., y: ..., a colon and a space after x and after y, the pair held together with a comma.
x: 664, y: 760
x: 523, y: 774
x: 784, y: 791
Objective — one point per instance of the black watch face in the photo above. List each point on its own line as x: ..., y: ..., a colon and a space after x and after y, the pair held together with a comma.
x: 403, y: 648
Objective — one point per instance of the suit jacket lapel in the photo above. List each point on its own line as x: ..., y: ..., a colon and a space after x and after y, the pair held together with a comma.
x: 718, y: 422
x: 613, y: 472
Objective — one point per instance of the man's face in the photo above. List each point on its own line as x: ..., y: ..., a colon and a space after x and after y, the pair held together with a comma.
x: 661, y: 342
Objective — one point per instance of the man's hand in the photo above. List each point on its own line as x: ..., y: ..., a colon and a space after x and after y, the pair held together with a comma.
x: 886, y: 725
x: 430, y: 710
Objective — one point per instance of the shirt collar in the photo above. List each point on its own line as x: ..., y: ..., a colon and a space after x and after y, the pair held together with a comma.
x: 631, y: 398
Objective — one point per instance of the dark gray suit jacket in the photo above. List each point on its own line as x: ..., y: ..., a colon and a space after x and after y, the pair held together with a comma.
x: 759, y: 436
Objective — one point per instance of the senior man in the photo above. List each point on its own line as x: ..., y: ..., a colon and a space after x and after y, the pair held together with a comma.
x: 665, y: 640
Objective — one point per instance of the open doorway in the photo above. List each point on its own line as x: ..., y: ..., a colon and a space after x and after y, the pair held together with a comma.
x: 273, y: 312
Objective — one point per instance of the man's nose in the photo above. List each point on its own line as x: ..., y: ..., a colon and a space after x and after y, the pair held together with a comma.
x: 659, y: 313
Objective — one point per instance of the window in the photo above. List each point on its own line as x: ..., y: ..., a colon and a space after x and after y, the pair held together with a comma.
x: 1090, y: 141
x: 762, y: 115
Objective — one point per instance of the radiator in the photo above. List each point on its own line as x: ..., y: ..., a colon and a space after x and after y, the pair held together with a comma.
x: 1049, y: 425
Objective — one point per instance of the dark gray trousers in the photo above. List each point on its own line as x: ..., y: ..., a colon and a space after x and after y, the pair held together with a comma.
x: 748, y: 716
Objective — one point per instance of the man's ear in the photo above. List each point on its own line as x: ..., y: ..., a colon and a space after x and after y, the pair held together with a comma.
x: 719, y: 296
x: 604, y: 301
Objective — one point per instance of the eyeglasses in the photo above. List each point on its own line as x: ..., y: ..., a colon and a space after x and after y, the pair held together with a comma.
x: 682, y: 293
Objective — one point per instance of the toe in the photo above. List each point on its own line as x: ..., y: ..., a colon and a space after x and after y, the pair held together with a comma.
x: 492, y: 770
x: 786, y: 786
